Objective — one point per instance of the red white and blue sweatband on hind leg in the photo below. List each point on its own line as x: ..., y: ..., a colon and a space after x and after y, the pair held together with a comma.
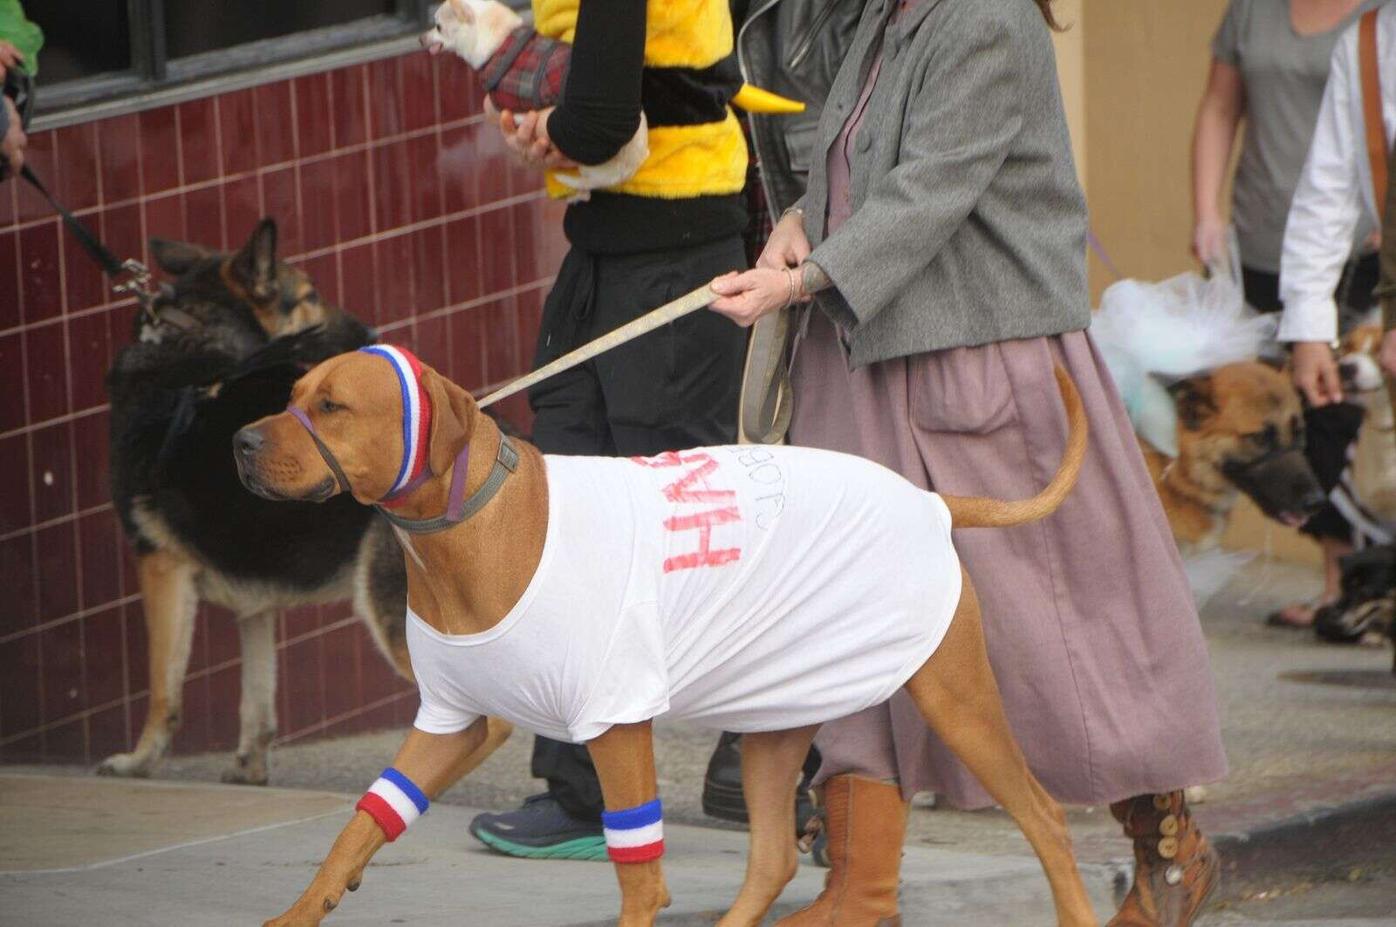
x: 394, y: 802
x: 635, y: 835
x: 416, y: 412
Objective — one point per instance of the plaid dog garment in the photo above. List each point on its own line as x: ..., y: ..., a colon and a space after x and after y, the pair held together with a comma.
x: 527, y: 72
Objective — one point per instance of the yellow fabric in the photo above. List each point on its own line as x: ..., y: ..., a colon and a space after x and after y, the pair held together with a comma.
x: 684, y: 161
x: 678, y: 33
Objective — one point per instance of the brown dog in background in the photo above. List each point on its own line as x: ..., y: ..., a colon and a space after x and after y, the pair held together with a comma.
x: 1240, y: 430
x: 473, y: 574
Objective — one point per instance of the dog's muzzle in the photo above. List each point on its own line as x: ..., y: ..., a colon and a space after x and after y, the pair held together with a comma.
x: 1281, y: 482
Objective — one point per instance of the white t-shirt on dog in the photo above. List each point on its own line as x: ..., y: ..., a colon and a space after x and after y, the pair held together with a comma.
x: 747, y: 588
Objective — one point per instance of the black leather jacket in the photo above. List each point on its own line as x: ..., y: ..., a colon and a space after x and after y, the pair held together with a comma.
x: 793, y: 48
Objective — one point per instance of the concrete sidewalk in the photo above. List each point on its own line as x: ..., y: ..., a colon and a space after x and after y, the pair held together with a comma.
x: 204, y: 855
x: 1304, y: 820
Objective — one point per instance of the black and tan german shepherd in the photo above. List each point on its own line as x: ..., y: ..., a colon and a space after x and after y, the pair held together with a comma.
x: 221, y: 348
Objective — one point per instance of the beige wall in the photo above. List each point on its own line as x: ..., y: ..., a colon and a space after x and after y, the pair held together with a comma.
x: 1145, y: 63
x: 1132, y: 72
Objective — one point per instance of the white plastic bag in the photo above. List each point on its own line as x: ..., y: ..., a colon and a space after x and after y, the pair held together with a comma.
x: 1153, y: 334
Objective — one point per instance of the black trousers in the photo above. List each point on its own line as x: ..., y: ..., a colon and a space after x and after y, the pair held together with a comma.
x: 1330, y: 429
x: 674, y: 388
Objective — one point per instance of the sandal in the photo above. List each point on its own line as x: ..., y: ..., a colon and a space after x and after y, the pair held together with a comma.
x: 1297, y: 615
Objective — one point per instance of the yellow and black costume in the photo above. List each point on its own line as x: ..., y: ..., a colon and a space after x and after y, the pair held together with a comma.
x: 674, y: 60
x: 673, y: 226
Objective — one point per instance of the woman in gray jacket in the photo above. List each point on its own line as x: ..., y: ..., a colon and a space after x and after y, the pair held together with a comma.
x: 942, y: 240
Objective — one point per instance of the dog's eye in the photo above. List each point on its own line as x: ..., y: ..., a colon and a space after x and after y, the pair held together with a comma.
x: 312, y: 296
x: 329, y: 405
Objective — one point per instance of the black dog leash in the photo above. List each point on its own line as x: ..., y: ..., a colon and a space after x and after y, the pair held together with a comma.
x: 139, y: 283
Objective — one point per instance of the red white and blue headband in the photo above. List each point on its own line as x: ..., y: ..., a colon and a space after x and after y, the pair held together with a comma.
x: 416, y: 413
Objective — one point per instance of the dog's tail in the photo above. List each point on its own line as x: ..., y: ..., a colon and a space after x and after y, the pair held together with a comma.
x: 983, y: 512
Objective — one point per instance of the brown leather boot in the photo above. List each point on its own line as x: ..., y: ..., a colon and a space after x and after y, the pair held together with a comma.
x: 866, y: 824
x: 1175, y: 868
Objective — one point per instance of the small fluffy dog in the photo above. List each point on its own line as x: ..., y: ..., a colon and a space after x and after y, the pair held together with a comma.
x: 524, y: 71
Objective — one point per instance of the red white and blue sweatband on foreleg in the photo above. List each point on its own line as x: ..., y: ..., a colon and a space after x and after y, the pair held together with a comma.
x: 394, y: 802
x: 416, y: 411
x: 635, y: 835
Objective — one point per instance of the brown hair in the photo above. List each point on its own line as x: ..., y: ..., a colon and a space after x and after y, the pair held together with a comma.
x: 1046, y: 7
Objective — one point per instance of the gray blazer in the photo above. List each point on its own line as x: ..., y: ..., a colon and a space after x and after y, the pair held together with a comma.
x: 969, y: 225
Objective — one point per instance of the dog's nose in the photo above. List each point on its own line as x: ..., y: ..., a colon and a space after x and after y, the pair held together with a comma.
x: 248, y: 441
x: 1347, y: 371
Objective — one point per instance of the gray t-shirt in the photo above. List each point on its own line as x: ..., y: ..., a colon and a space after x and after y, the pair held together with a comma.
x: 1284, y: 75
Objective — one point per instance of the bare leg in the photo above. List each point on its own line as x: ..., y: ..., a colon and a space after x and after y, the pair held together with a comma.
x: 770, y: 768
x: 257, y: 711
x: 624, y: 760
x: 170, y: 602
x: 434, y: 762
x: 956, y: 693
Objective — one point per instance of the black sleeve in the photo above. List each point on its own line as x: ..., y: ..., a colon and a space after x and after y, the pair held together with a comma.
x: 600, y: 108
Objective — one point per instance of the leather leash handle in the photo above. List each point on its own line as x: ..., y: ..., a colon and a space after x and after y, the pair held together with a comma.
x: 684, y: 305
x: 1371, y: 104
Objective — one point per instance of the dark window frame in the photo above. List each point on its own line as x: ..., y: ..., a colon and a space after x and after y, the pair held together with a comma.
x: 153, y: 79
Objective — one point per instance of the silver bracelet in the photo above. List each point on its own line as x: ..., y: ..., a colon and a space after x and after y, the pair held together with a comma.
x: 790, y: 275
x: 793, y: 210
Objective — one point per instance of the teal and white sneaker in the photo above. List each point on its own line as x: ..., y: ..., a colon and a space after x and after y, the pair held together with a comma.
x: 541, y: 829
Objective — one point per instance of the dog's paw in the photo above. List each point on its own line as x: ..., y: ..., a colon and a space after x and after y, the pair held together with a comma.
x: 126, y: 765
x: 302, y: 914
x: 246, y: 770
x: 237, y: 775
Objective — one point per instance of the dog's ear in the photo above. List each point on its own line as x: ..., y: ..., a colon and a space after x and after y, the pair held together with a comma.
x: 463, y: 11
x: 254, y: 267
x: 176, y: 257
x: 453, y: 413
x: 1195, y: 400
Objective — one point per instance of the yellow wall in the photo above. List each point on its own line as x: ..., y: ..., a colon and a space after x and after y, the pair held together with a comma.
x: 1145, y: 64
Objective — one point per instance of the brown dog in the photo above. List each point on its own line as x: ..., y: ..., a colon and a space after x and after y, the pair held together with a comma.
x: 1240, y: 430
x: 464, y: 579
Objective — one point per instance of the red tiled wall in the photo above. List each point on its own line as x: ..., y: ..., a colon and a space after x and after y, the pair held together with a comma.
x: 398, y: 200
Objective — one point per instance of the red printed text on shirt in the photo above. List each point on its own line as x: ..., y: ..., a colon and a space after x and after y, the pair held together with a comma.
x: 704, y: 507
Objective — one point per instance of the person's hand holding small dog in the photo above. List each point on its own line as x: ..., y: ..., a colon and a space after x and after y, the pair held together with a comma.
x: 1316, y: 373
x: 526, y: 134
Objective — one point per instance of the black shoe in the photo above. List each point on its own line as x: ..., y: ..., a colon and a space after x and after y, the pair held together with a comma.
x: 540, y: 829
x: 722, y: 787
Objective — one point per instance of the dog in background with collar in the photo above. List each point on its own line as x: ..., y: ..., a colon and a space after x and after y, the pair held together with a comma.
x: 221, y: 346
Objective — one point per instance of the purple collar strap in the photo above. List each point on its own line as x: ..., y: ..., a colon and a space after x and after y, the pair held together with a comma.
x: 458, y: 506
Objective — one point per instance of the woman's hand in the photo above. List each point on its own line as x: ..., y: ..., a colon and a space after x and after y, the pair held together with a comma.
x: 1387, y: 355
x: 1209, y: 240
x: 1316, y: 373
x: 787, y: 246
x: 526, y: 134
x: 746, y: 297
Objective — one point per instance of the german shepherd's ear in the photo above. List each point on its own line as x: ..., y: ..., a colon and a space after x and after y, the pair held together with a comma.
x: 1195, y: 400
x: 254, y: 267
x: 176, y: 257
x: 453, y: 413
